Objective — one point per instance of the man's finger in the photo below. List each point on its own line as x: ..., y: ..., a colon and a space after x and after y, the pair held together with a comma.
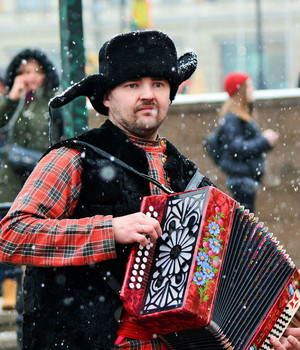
x: 150, y: 226
x: 276, y: 343
x: 150, y: 231
x: 292, y: 331
x: 141, y: 239
x: 294, y: 343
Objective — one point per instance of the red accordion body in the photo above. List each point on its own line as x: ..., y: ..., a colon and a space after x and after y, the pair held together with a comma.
x: 212, y: 270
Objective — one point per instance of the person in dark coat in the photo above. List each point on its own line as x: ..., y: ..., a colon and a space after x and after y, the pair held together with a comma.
x: 31, y: 80
x: 244, y: 145
x: 3, y: 92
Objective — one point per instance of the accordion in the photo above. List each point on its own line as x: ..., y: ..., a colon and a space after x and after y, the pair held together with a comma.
x: 215, y: 279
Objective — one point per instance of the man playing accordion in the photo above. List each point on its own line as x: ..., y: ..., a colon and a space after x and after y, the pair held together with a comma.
x: 77, y: 216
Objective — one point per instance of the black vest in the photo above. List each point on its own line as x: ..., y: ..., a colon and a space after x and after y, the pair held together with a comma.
x: 72, y: 307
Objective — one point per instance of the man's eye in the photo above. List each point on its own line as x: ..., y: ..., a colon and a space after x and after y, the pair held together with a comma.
x: 158, y: 84
x: 132, y: 86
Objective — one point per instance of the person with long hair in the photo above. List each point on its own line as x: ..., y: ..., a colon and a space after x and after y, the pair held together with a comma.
x: 244, y: 145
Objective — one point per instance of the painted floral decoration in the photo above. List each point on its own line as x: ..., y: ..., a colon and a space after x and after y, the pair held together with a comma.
x: 291, y: 288
x: 208, y: 261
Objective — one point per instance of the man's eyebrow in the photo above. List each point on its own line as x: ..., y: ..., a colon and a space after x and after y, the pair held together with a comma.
x: 159, y: 78
x: 153, y: 78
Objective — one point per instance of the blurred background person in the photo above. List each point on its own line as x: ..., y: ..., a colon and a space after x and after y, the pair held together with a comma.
x: 3, y: 92
x: 31, y: 80
x: 244, y: 145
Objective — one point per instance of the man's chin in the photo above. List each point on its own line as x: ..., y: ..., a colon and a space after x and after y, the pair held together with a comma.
x: 146, y: 122
x: 146, y: 131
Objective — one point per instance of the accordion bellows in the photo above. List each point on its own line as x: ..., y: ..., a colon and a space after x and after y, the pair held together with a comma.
x: 216, y: 279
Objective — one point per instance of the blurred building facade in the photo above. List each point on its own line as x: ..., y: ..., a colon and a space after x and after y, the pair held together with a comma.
x: 224, y: 33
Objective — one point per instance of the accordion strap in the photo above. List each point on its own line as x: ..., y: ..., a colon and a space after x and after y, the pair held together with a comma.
x: 110, y: 280
x: 192, y: 185
x: 124, y: 165
x: 195, y: 181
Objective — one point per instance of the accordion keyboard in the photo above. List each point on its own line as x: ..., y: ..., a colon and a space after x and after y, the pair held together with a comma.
x: 138, y: 273
x: 283, y: 321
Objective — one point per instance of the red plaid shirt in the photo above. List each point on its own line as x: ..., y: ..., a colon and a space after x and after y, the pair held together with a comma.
x: 38, y: 229
x: 155, y: 152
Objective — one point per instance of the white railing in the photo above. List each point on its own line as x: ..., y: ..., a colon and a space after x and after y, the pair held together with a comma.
x: 221, y: 96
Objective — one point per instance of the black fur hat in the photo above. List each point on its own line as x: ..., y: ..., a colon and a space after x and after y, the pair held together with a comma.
x: 129, y: 56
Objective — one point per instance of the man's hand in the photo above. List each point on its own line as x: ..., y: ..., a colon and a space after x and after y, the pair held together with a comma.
x: 288, y: 340
x: 134, y: 228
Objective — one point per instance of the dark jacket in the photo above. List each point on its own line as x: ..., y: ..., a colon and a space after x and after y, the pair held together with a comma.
x: 73, y: 304
x: 244, y: 148
x: 26, y: 124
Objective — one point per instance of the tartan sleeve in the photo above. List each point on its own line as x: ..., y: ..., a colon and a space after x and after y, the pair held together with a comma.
x: 38, y: 229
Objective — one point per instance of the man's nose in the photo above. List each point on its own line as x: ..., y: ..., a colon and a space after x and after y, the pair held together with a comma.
x: 146, y: 92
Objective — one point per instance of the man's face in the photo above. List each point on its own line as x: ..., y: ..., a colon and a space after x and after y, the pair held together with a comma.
x: 139, y: 106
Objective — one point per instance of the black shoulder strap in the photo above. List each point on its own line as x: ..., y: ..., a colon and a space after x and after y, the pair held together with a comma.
x: 195, y: 181
x: 192, y: 185
x: 122, y: 164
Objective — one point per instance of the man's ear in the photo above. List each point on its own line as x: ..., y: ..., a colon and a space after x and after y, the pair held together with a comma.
x: 106, y: 100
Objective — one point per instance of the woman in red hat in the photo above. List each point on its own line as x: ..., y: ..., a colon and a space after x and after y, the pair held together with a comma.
x: 244, y: 144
